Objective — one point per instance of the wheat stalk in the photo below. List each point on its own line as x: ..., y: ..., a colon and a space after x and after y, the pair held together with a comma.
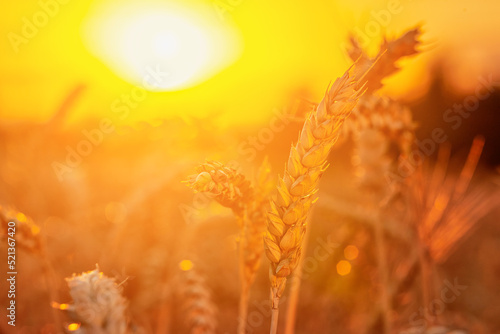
x: 378, y: 126
x: 383, y: 133
x: 369, y: 72
x: 297, y: 188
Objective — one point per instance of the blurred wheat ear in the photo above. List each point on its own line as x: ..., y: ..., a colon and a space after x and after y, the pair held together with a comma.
x: 200, y: 311
x: 383, y: 132
x: 28, y: 237
x: 98, y: 303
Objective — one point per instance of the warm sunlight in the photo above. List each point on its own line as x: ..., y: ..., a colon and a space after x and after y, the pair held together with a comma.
x: 160, y: 47
x: 250, y: 166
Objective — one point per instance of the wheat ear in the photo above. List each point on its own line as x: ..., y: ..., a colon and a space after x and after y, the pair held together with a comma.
x: 383, y: 133
x: 197, y: 303
x: 297, y: 188
x: 232, y: 190
x: 385, y: 63
x: 97, y: 303
x: 228, y: 187
x: 377, y: 123
x: 28, y: 236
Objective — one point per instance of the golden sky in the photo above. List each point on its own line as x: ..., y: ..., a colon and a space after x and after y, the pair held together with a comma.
x: 241, y: 58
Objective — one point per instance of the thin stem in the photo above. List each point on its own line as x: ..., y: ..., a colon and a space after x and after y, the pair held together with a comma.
x: 291, y: 311
x: 243, y: 309
x: 50, y: 279
x: 245, y: 284
x: 165, y: 310
x: 274, y: 319
x: 383, y: 274
x: 426, y: 274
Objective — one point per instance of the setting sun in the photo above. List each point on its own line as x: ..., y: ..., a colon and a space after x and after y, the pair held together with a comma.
x: 159, y: 46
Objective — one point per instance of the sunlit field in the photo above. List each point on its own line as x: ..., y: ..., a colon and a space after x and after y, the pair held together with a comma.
x: 248, y: 167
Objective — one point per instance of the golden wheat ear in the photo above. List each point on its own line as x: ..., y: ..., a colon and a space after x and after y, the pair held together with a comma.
x: 297, y: 188
x: 228, y: 187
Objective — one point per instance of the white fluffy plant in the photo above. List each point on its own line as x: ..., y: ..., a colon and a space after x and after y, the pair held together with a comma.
x: 98, y: 304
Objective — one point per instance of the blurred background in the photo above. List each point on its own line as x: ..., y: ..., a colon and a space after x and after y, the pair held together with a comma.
x: 105, y: 106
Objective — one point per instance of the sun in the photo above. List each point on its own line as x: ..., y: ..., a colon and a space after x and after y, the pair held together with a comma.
x: 161, y: 46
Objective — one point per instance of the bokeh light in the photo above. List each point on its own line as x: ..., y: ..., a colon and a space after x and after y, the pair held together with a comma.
x: 73, y: 327
x: 351, y: 252
x: 186, y: 265
x: 343, y: 267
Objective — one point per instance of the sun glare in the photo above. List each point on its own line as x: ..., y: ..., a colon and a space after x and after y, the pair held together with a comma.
x: 158, y: 46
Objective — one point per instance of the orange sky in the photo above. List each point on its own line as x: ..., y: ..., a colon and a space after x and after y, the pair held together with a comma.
x: 285, y: 47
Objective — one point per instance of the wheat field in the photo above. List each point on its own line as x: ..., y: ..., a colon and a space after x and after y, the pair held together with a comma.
x: 348, y: 210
